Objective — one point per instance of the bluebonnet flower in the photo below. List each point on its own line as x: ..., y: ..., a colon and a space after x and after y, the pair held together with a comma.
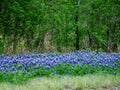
x: 32, y: 61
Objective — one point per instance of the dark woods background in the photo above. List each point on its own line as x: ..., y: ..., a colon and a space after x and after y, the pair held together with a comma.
x: 59, y: 25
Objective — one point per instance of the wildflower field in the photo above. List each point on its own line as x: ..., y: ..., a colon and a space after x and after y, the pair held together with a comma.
x: 21, y: 67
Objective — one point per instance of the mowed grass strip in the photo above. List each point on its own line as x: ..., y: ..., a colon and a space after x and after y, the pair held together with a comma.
x: 66, y: 83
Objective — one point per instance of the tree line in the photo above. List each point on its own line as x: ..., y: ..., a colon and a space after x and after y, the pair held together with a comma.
x: 59, y: 25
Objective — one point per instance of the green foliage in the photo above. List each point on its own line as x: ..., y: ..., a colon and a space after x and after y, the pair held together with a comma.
x: 62, y: 69
x: 37, y: 22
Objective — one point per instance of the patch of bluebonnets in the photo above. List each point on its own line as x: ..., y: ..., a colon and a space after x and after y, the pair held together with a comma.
x: 56, y: 63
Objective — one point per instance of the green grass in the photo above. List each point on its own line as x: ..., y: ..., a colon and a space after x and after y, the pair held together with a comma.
x: 65, y: 82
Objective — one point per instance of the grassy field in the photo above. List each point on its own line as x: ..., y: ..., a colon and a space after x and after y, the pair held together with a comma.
x: 66, y: 83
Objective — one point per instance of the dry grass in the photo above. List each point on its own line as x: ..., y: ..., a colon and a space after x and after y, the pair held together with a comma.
x: 66, y: 83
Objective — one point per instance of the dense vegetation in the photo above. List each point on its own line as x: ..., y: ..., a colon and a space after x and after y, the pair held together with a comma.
x: 59, y: 25
x: 60, y: 38
x: 25, y: 66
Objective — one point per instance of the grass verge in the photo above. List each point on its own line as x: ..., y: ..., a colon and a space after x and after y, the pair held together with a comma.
x: 65, y: 82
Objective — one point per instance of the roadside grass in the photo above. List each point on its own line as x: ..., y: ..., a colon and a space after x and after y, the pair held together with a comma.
x: 57, y: 82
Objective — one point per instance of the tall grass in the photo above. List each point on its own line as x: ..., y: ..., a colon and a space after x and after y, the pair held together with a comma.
x: 65, y: 82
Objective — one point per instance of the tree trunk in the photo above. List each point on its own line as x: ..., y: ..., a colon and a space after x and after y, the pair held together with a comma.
x: 76, y: 26
x: 90, y: 39
x: 77, y: 33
